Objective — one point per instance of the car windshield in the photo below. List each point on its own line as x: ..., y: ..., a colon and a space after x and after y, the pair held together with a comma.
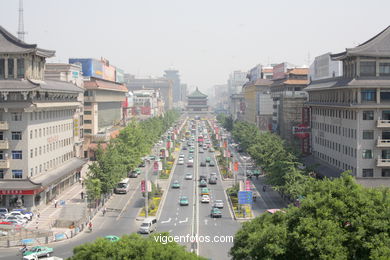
x: 184, y: 198
x: 145, y: 225
x: 122, y: 185
x: 35, y: 249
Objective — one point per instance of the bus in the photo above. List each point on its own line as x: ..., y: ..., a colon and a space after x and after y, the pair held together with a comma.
x: 123, y: 186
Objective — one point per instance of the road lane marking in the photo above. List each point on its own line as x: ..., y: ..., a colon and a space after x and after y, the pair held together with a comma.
x: 166, y: 221
x: 183, y: 221
x: 127, y: 203
x: 205, y: 221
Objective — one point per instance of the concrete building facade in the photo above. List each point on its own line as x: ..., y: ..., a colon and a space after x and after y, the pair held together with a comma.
x: 37, y: 157
x: 351, y: 114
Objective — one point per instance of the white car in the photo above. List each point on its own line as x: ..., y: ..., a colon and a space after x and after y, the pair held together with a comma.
x: 180, y: 161
x: 201, y: 150
x: 188, y: 176
x: 218, y: 204
x: 20, y: 214
x: 181, y: 156
x: 19, y: 220
x: 205, y: 199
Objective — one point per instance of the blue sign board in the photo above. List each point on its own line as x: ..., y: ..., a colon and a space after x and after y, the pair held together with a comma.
x: 245, y: 197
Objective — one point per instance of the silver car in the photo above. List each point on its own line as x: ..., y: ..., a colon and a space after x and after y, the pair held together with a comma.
x: 188, y: 176
x: 218, y: 204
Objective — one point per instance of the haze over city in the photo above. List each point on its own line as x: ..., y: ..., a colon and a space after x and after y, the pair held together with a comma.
x: 204, y: 40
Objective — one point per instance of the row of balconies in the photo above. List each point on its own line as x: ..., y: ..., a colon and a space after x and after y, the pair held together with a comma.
x: 3, y: 125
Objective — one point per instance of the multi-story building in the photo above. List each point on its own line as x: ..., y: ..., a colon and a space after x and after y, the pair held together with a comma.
x: 221, y: 99
x: 147, y: 103
x: 235, y: 82
x: 287, y: 92
x: 237, y: 106
x: 71, y: 73
x: 197, y: 103
x: 324, y: 67
x: 165, y: 86
x: 103, y: 112
x: 258, y: 103
x: 350, y: 115
x: 37, y: 157
x: 267, y: 72
x: 174, y: 76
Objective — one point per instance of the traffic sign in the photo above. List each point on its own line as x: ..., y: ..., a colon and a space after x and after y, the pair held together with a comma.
x: 248, y: 185
x: 245, y: 197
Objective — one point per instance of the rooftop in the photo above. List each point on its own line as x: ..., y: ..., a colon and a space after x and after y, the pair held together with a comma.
x: 197, y: 94
x: 9, y: 44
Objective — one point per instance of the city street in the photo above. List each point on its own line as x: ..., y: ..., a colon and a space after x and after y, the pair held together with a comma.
x: 195, y: 219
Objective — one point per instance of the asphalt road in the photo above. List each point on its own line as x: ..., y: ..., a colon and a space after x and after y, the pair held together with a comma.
x: 195, y: 219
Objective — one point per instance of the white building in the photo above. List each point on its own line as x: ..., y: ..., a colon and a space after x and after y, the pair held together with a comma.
x: 324, y: 67
x: 37, y: 131
x: 350, y: 115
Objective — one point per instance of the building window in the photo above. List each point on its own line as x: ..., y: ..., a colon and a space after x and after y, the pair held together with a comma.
x: 368, y: 115
x: 20, y: 66
x: 367, y: 68
x: 368, y: 94
x: 31, y: 134
x: 17, y: 155
x: 2, y: 68
x: 88, y: 131
x: 16, y: 116
x: 31, y: 172
x: 384, y: 69
x: 368, y: 134
x: 368, y: 172
x: 385, y: 172
x: 87, y: 121
x: 1, y: 135
x: 31, y: 153
x: 16, y: 135
x: 87, y: 112
x: 1, y: 174
x: 10, y: 68
x: 367, y: 154
x: 17, y: 174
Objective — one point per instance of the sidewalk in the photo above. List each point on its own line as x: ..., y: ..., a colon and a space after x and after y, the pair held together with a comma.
x: 49, y: 213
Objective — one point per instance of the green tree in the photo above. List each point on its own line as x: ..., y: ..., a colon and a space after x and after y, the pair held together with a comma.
x: 337, y: 219
x: 94, y: 189
x: 134, y: 247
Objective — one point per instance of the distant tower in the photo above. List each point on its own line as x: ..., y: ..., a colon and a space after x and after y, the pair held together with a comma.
x: 21, y: 31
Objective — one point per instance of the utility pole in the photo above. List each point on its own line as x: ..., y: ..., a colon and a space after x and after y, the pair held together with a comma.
x: 146, y: 195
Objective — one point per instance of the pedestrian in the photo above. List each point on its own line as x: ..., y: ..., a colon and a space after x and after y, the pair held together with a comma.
x: 38, y: 214
x: 82, y: 185
x: 264, y: 187
x: 55, y: 203
x: 104, y: 211
x: 257, y: 177
x: 82, y: 195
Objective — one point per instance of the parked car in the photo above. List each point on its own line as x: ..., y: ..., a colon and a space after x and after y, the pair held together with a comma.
x: 142, y: 164
x: 218, y: 204
x: 39, y: 251
x: 17, y: 219
x: 132, y: 174
x: 215, y: 213
x: 20, y: 214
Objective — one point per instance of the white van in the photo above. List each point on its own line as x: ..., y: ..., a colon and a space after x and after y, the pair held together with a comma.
x: 123, y: 186
x: 148, y: 225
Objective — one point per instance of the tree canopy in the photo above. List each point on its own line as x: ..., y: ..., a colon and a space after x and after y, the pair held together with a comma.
x: 337, y: 219
x: 132, y: 246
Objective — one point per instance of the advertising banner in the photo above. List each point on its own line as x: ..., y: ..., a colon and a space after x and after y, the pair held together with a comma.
x: 236, y: 166
x: 248, y: 185
x: 245, y: 197
x: 160, y: 166
x: 119, y: 75
x: 155, y: 166
x: 149, y: 186
x: 143, y: 186
x: 108, y: 70
x: 90, y: 67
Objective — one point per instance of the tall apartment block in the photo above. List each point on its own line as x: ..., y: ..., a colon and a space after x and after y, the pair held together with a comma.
x: 350, y: 115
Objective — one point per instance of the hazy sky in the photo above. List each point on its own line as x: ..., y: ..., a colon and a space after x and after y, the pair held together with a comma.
x: 204, y: 39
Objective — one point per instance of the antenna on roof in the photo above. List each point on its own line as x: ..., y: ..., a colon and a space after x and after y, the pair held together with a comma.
x: 21, y: 31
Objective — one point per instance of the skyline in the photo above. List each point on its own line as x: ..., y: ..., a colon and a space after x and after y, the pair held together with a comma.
x: 205, y: 44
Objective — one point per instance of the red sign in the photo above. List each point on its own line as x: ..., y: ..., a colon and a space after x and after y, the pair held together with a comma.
x: 19, y: 192
x: 248, y: 185
x: 236, y: 166
x: 143, y: 185
x: 155, y: 166
x: 301, y: 131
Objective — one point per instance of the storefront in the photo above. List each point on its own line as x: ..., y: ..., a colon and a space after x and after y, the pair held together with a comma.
x: 31, y: 193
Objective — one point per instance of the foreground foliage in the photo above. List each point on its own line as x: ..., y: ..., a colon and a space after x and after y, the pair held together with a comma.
x: 132, y: 247
x: 338, y: 219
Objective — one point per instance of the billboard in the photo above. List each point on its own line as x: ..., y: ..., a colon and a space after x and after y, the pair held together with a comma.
x: 90, y: 67
x: 108, y: 70
x: 119, y: 75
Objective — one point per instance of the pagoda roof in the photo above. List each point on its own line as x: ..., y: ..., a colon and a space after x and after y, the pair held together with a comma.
x: 9, y: 44
x: 377, y: 46
x: 197, y: 94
